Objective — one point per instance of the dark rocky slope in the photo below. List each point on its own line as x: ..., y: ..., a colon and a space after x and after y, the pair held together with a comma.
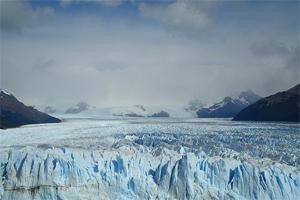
x: 14, y: 113
x: 282, y: 106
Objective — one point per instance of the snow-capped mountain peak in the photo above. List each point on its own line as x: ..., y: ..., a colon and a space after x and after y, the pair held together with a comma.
x: 229, y: 106
x: 5, y: 92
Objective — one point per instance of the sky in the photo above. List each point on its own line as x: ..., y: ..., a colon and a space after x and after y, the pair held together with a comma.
x: 128, y: 52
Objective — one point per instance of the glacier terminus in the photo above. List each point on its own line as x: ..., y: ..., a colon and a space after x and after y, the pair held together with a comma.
x: 143, y: 158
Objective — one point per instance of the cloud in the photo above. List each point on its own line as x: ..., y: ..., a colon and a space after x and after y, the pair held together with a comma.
x: 269, y: 48
x: 178, y: 15
x: 109, y: 66
x: 275, y: 50
x: 111, y: 57
x: 283, y: 62
x: 44, y: 65
x: 17, y: 14
x: 293, y: 62
x: 191, y: 17
x: 108, y: 3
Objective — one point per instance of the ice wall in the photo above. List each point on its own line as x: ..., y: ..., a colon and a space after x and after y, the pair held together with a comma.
x: 139, y: 173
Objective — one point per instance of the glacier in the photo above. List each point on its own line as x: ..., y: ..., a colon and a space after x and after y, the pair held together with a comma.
x: 150, y: 159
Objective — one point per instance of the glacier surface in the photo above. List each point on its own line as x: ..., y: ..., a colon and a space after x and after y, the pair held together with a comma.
x: 150, y: 159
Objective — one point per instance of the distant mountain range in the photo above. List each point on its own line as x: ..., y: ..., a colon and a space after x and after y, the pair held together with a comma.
x: 84, y: 109
x: 282, y: 106
x: 229, y: 107
x: 160, y: 114
x: 140, y: 111
x: 144, y: 111
x: 14, y: 113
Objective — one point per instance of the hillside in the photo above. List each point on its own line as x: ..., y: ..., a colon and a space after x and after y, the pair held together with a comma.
x: 14, y: 113
x: 282, y: 106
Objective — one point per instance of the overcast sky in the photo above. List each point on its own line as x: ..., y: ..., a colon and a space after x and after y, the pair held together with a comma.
x: 110, y: 53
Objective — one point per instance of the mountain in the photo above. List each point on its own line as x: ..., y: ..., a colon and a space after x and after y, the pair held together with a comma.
x: 229, y: 106
x: 282, y: 106
x: 160, y: 114
x: 14, y: 113
x: 128, y: 111
x: 81, y: 106
x: 133, y: 115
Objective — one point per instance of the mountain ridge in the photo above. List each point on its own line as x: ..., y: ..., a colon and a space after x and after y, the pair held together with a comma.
x: 14, y: 113
x: 229, y: 106
x: 281, y: 106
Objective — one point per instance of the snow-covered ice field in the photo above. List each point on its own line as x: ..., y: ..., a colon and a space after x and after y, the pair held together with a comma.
x: 151, y: 158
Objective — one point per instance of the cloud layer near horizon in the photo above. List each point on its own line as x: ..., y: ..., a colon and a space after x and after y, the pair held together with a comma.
x: 154, y: 53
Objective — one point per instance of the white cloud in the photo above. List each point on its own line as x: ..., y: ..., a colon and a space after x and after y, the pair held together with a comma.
x: 188, y: 16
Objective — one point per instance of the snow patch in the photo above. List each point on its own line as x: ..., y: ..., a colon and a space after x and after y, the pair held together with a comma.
x: 5, y: 92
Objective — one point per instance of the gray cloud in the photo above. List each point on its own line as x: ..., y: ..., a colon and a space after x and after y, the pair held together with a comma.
x: 17, y: 14
x: 109, y: 3
x: 272, y: 50
x: 269, y: 48
x: 125, y: 60
x: 44, y: 65
x: 109, y: 66
x: 282, y: 63
x: 293, y: 62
